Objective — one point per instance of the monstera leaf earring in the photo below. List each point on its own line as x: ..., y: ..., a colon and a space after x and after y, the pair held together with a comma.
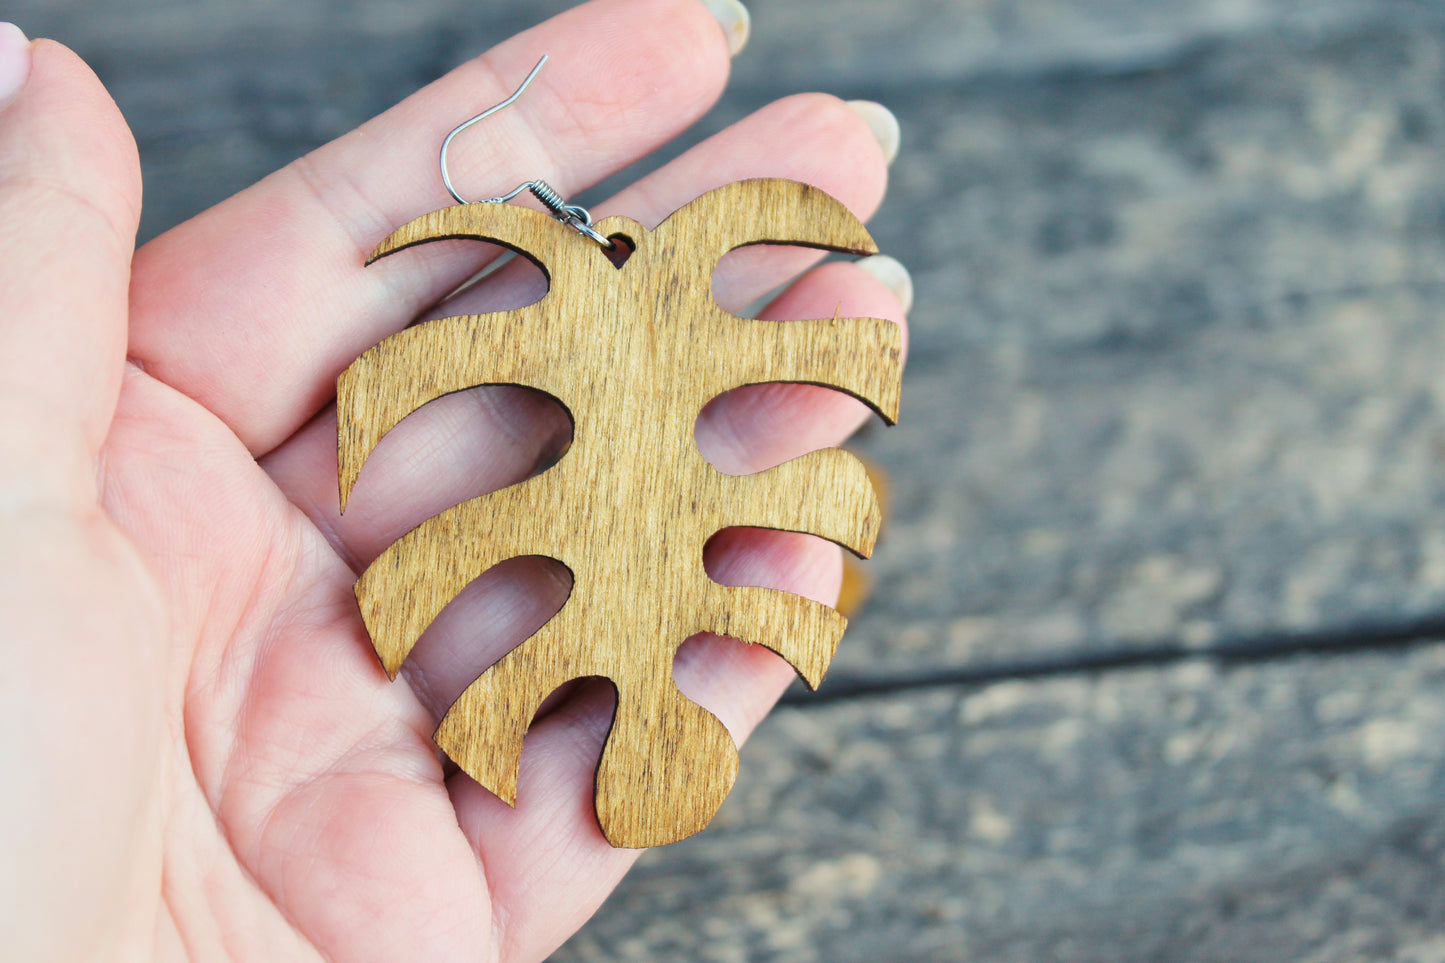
x: 633, y: 353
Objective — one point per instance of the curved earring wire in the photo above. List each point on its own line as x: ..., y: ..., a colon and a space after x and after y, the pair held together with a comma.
x: 576, y: 217
x: 447, y: 143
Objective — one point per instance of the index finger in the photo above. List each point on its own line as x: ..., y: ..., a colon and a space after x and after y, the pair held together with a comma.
x: 255, y: 306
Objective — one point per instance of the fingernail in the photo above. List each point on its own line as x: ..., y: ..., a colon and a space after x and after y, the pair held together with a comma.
x: 735, y: 21
x: 892, y: 273
x: 14, y: 61
x: 881, y: 121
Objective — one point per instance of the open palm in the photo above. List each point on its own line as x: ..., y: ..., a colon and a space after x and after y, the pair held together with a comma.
x: 207, y: 759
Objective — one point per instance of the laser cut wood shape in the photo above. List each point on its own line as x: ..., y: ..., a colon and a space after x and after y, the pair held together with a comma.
x: 633, y: 353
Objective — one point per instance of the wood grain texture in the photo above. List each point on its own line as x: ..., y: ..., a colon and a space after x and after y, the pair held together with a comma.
x: 633, y: 353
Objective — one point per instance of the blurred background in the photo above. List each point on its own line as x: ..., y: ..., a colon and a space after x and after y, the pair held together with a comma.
x: 1151, y: 669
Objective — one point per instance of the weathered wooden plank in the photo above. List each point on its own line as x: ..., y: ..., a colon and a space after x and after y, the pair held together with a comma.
x: 795, y: 43
x: 1288, y: 811
x: 1177, y: 359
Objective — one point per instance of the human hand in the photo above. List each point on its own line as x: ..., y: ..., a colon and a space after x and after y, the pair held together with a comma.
x: 205, y: 758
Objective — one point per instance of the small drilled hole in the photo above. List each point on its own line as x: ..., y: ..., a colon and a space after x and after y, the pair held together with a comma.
x: 621, y: 251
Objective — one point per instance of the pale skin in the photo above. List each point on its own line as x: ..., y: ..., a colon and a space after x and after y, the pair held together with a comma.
x: 203, y: 758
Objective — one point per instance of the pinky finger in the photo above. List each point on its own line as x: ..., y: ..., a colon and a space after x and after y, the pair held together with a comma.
x: 754, y: 428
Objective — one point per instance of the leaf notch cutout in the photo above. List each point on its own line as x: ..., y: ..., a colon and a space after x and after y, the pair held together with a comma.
x: 634, y: 353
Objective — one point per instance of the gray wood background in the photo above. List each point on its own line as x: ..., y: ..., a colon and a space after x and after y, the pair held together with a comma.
x: 1153, y: 670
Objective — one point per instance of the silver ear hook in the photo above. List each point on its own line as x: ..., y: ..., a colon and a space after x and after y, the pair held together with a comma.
x: 576, y: 217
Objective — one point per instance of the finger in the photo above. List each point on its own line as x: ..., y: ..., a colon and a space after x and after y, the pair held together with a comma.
x: 69, y: 203
x: 456, y: 448
x: 254, y: 307
x: 757, y: 427
x: 80, y: 701
x: 466, y: 444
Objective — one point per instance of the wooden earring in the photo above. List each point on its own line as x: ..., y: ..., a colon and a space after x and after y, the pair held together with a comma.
x: 633, y: 353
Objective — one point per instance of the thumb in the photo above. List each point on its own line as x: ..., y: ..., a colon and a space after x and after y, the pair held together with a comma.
x: 80, y: 695
x: 69, y: 207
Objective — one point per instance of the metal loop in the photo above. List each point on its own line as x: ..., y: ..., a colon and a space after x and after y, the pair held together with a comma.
x: 576, y: 217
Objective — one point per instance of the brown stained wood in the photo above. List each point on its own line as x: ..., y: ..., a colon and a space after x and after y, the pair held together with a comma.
x: 857, y: 584
x: 633, y: 353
